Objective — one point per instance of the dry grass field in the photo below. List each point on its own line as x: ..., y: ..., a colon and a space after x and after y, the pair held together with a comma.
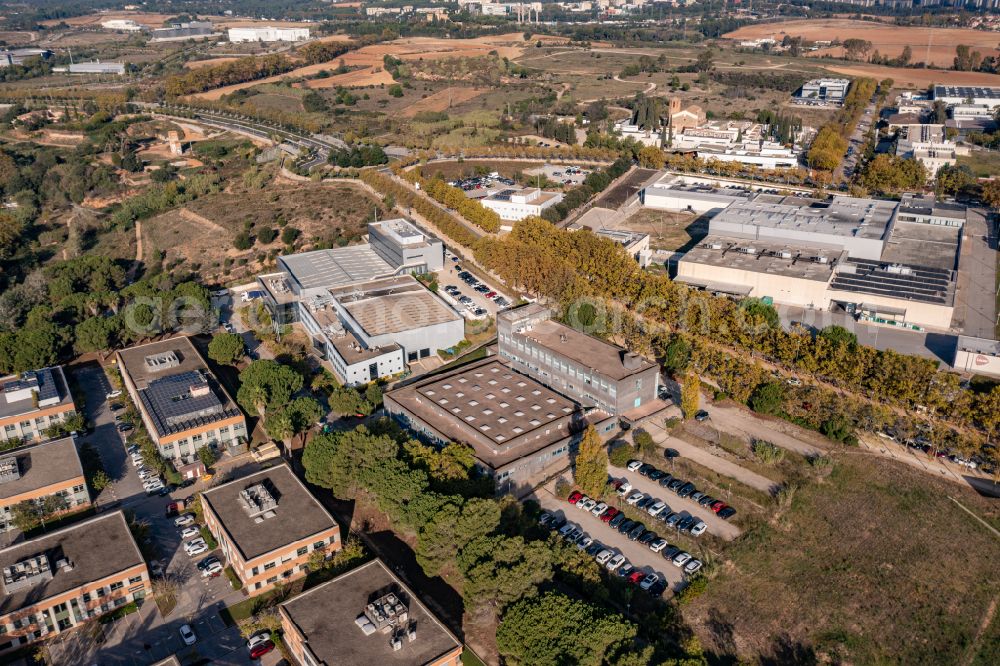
x: 934, y: 46
x: 201, y: 233
x: 369, y: 59
x: 667, y: 231
x: 443, y: 100
x: 875, y: 564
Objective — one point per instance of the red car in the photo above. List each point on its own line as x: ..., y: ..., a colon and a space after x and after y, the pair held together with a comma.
x: 718, y: 506
x: 259, y: 650
x: 490, y: 294
x: 608, y: 515
x: 636, y: 577
x: 575, y: 497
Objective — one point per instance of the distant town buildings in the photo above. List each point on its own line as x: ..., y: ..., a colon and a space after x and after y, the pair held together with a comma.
x: 366, y: 616
x: 32, y: 402
x: 122, y: 25
x: 268, y: 525
x: 268, y: 34
x: 988, y: 96
x: 62, y: 579
x: 823, y: 91
x: 19, y: 56
x: 31, y: 473
x: 182, y: 404
x: 178, y: 31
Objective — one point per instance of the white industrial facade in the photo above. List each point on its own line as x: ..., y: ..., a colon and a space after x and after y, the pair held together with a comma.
x: 268, y: 34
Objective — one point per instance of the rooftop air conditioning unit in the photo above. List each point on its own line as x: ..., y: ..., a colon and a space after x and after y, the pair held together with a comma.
x: 396, y: 644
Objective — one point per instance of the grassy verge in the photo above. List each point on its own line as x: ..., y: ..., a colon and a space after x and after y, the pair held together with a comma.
x: 469, y: 658
x: 876, y: 541
x: 165, y: 603
x: 64, y: 520
x: 234, y: 580
x: 209, y: 539
x: 119, y: 613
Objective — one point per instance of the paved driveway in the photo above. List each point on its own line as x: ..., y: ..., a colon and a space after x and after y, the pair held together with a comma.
x: 105, y: 437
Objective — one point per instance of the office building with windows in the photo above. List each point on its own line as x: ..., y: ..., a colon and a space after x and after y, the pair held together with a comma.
x: 267, y: 525
x: 58, y: 581
x: 182, y: 404
x: 593, y: 372
x: 32, y: 402
x: 33, y: 473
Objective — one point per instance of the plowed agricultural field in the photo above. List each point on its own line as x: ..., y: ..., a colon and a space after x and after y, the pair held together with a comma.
x: 934, y: 46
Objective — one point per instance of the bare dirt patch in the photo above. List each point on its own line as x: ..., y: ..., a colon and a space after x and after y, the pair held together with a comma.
x: 370, y: 58
x: 667, y: 231
x: 934, y: 46
x: 443, y: 100
x: 918, y: 78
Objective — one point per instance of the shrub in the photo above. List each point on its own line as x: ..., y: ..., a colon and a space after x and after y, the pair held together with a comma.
x: 767, y: 398
x: 563, y: 488
x: 621, y: 454
x: 695, y: 588
x: 644, y: 443
x: 242, y: 241
x: 767, y: 453
x: 266, y: 235
x: 234, y: 580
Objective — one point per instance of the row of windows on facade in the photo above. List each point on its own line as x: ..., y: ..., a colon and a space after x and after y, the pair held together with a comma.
x: 319, y: 545
x: 558, y: 363
x: 28, y: 426
x: 43, y: 615
x: 198, y: 440
x: 596, y: 400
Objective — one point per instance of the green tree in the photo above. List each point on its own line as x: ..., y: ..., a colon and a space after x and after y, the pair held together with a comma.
x: 690, y: 394
x: 318, y: 459
x: 759, y: 312
x: 677, y: 354
x: 500, y: 570
x: 590, y: 469
x: 395, y: 90
x: 451, y: 529
x: 267, y: 385
x: 266, y: 235
x: 838, y: 336
x: 94, y: 334
x: 206, y: 454
x: 768, y: 398
x: 99, y: 481
x: 556, y: 629
x: 621, y: 453
x: 226, y: 348
x: 242, y: 241
x: 644, y: 443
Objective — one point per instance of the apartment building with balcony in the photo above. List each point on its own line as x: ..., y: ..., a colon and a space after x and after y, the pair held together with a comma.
x: 267, y: 525
x: 33, y: 401
x: 31, y: 473
x: 182, y: 404
x: 63, y: 579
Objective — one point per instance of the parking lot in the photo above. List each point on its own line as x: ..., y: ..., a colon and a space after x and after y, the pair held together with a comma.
x: 682, y: 505
x: 448, y: 277
x: 566, y: 175
x: 640, y: 556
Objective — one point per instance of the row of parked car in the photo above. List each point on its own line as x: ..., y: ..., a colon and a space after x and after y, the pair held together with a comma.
x: 921, y: 443
x: 150, y: 478
x: 680, y: 486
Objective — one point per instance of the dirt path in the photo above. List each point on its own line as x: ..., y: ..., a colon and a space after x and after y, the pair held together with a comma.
x: 650, y: 87
x: 191, y: 216
x: 983, y: 626
x: 710, y: 460
x: 743, y: 423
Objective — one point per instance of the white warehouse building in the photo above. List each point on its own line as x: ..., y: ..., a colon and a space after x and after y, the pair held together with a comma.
x: 268, y: 34
x: 364, y: 312
x: 514, y: 205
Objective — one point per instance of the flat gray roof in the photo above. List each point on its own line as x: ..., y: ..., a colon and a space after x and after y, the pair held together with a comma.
x: 501, y: 413
x: 97, y: 548
x: 336, y: 267
x: 42, y: 465
x: 298, y: 515
x: 326, y: 617
x: 978, y: 345
x: 784, y: 259
x: 843, y: 216
x: 395, y: 312
x: 918, y: 244
x: 590, y: 352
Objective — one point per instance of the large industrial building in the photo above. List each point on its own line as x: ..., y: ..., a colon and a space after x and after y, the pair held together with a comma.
x: 977, y: 95
x: 268, y: 34
x: 365, y: 313
x: 891, y: 262
x: 524, y: 411
x: 32, y: 402
x: 182, y: 404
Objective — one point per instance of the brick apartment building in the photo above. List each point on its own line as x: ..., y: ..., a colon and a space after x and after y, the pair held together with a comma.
x: 30, y: 473
x: 182, y: 404
x: 366, y: 616
x: 33, y: 401
x: 62, y: 579
x: 268, y: 524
